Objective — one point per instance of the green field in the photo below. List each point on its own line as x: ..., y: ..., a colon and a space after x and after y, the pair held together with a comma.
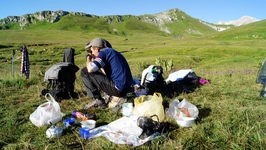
x: 231, y: 113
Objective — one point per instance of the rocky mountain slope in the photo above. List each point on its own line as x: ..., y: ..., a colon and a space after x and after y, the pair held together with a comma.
x: 54, y: 16
x: 49, y: 16
x: 173, y: 21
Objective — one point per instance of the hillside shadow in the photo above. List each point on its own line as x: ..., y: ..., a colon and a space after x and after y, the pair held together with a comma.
x: 59, y: 97
x: 123, y: 52
x: 173, y: 89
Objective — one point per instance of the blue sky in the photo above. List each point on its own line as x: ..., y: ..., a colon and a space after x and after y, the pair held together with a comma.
x: 208, y: 10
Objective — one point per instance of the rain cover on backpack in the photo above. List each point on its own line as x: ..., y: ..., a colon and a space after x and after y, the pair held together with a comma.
x: 61, y: 76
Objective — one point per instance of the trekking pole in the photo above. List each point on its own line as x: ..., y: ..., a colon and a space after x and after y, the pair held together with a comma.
x: 13, y: 53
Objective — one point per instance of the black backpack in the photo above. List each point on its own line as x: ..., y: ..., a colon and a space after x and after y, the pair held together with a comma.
x: 157, y: 83
x: 69, y: 55
x: 191, y: 78
x: 61, y: 77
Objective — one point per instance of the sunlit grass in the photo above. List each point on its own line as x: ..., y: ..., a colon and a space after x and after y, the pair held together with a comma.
x: 231, y: 114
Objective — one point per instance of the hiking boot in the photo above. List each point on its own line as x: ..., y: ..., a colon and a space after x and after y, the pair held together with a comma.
x: 114, y: 101
x: 95, y: 103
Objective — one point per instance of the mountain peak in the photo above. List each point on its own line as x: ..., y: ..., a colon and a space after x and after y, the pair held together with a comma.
x: 242, y: 21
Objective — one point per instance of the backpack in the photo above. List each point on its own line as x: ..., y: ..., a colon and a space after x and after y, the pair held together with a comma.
x: 69, y: 55
x: 179, y: 86
x: 61, y: 77
x: 191, y: 78
x: 152, y: 79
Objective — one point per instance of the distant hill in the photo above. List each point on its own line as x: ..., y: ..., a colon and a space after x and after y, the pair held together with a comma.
x: 242, y: 21
x: 251, y: 31
x: 172, y: 22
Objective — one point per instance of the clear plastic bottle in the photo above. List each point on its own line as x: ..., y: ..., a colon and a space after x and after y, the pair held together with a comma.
x: 64, y: 114
x: 127, y: 109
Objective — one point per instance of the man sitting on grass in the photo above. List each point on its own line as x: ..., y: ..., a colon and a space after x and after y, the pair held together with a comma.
x: 109, y: 72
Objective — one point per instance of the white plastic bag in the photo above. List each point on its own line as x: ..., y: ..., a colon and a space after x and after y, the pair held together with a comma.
x: 118, y: 137
x: 183, y: 109
x: 126, y: 125
x: 123, y: 131
x: 46, y: 113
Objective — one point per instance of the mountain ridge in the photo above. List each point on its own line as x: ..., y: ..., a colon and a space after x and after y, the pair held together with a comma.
x: 54, y: 16
x: 173, y: 22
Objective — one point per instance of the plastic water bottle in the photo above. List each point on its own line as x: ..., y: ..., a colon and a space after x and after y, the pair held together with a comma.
x: 76, y: 114
x: 81, y: 115
x: 127, y: 109
x: 64, y: 114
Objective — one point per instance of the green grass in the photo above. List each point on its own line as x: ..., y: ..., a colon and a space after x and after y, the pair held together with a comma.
x: 250, y: 31
x: 231, y: 113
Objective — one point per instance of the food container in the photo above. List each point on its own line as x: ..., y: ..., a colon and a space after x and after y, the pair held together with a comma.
x: 88, y: 123
x: 84, y: 132
x: 69, y: 122
x: 185, y: 121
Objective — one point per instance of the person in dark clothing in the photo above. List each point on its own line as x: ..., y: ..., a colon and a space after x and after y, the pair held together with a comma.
x: 107, y: 70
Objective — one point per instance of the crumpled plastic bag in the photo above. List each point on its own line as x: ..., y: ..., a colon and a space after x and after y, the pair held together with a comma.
x: 46, y: 113
x: 148, y: 105
x: 182, y: 109
x: 123, y: 131
x: 126, y: 125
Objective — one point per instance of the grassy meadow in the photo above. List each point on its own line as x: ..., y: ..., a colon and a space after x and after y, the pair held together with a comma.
x: 231, y: 113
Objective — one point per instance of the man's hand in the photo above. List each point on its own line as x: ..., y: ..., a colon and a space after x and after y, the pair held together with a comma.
x: 90, y: 59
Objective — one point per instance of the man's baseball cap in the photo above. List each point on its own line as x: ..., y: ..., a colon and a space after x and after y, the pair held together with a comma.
x: 97, y: 42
